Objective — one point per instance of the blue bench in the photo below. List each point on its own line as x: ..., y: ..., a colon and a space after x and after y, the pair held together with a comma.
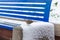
x: 26, y: 9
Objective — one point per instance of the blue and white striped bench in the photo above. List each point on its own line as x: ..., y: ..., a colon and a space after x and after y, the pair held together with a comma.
x: 26, y: 9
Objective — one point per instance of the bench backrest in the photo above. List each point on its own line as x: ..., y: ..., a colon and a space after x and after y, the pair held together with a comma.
x: 25, y: 9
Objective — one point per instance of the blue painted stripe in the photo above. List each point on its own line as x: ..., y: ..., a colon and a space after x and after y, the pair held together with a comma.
x: 34, y: 14
x: 24, y: 17
x: 6, y: 27
x: 29, y: 9
x: 23, y: 5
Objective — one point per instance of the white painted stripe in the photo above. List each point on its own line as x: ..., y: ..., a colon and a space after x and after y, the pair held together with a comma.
x: 13, y: 18
x: 22, y: 7
x: 22, y: 15
x: 22, y: 3
x: 22, y: 11
x: 6, y: 25
x: 16, y: 18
